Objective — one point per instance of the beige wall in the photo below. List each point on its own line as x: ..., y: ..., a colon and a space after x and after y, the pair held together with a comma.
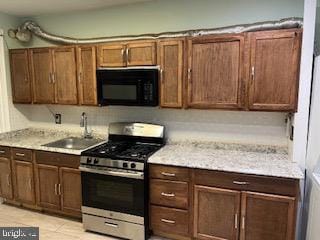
x: 166, y: 15
x: 158, y: 16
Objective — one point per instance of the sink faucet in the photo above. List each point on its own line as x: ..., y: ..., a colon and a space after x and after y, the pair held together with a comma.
x: 84, y: 123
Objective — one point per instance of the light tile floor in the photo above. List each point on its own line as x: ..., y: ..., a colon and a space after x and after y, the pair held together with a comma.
x: 51, y: 227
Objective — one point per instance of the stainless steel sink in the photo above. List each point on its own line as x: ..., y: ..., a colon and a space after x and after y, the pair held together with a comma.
x: 74, y: 143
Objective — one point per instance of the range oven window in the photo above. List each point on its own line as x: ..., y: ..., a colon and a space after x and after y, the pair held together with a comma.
x: 112, y: 193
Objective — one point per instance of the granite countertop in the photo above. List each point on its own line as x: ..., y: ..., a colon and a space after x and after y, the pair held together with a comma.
x: 248, y: 159
x: 34, y: 138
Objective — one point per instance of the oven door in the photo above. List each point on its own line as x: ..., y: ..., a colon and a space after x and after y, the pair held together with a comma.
x: 113, y: 191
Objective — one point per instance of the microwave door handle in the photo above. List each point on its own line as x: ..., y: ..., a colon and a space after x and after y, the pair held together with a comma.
x: 140, y: 92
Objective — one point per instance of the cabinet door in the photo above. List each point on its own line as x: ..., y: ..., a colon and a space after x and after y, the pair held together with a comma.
x: 70, y: 180
x: 275, y: 58
x: 87, y: 83
x: 141, y: 54
x: 170, y: 55
x: 24, y: 181
x: 215, y: 72
x: 111, y: 55
x: 48, y: 184
x: 267, y: 217
x: 64, y: 76
x: 216, y: 213
x: 6, y: 190
x: 41, y: 71
x: 20, y: 77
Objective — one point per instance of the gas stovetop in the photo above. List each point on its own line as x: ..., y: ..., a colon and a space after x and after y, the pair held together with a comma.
x: 129, y: 147
x: 133, y: 151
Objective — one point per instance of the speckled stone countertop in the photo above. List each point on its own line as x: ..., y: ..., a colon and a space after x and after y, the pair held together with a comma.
x: 34, y: 138
x: 248, y: 159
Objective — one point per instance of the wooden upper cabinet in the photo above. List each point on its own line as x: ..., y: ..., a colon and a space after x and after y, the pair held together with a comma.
x: 24, y: 182
x: 20, y: 76
x: 41, y: 72
x: 267, y: 217
x: 87, y: 82
x: 171, y: 59
x: 275, y: 58
x: 111, y: 55
x: 6, y: 190
x: 216, y: 213
x: 71, y: 198
x: 141, y: 54
x: 64, y: 75
x: 215, y: 71
x: 48, y: 186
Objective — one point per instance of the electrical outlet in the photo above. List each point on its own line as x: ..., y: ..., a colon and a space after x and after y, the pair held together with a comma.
x: 57, y: 118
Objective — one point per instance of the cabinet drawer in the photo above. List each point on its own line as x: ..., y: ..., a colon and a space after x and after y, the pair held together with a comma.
x: 5, y: 152
x: 169, y: 173
x: 245, y: 182
x: 169, y: 193
x: 168, y: 220
x: 22, y: 154
x: 57, y: 159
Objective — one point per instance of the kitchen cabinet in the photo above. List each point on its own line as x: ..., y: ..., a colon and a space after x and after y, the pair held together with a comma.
x: 216, y: 205
x: 140, y: 53
x: 216, y: 213
x: 216, y: 72
x: 20, y: 76
x: 87, y: 82
x: 59, y: 182
x: 48, y: 186
x: 171, y: 61
x: 274, y: 67
x: 24, y: 182
x: 71, y: 195
x: 64, y: 75
x: 6, y: 189
x: 54, y: 75
x: 170, y: 202
x: 267, y: 217
x: 42, y: 78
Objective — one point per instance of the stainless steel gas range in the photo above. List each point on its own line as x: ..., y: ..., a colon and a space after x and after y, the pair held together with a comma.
x: 115, y: 183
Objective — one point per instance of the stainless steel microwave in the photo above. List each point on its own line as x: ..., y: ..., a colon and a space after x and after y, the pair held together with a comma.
x: 128, y: 86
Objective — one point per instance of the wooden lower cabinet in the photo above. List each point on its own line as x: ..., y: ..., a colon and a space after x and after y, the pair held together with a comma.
x: 267, y: 217
x: 24, y: 182
x: 221, y: 205
x: 6, y: 190
x: 48, y: 183
x: 59, y: 183
x: 216, y: 213
x: 71, y: 198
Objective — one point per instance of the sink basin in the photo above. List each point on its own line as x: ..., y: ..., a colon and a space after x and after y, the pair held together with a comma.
x: 73, y: 143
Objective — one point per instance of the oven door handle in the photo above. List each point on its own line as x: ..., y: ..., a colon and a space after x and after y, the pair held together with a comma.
x: 138, y: 175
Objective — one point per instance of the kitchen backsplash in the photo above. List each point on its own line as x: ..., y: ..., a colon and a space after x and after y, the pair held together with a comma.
x: 203, y: 125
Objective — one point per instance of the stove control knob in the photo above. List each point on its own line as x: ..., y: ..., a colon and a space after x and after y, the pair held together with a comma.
x: 124, y: 165
x: 89, y: 160
x: 95, y: 161
x: 133, y: 165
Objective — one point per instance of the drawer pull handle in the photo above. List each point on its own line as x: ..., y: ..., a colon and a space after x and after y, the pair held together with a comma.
x: 240, y: 183
x: 168, y: 194
x: 168, y: 174
x: 167, y: 221
x: 111, y: 225
x: 243, y: 222
x: 2, y: 152
x: 20, y: 154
